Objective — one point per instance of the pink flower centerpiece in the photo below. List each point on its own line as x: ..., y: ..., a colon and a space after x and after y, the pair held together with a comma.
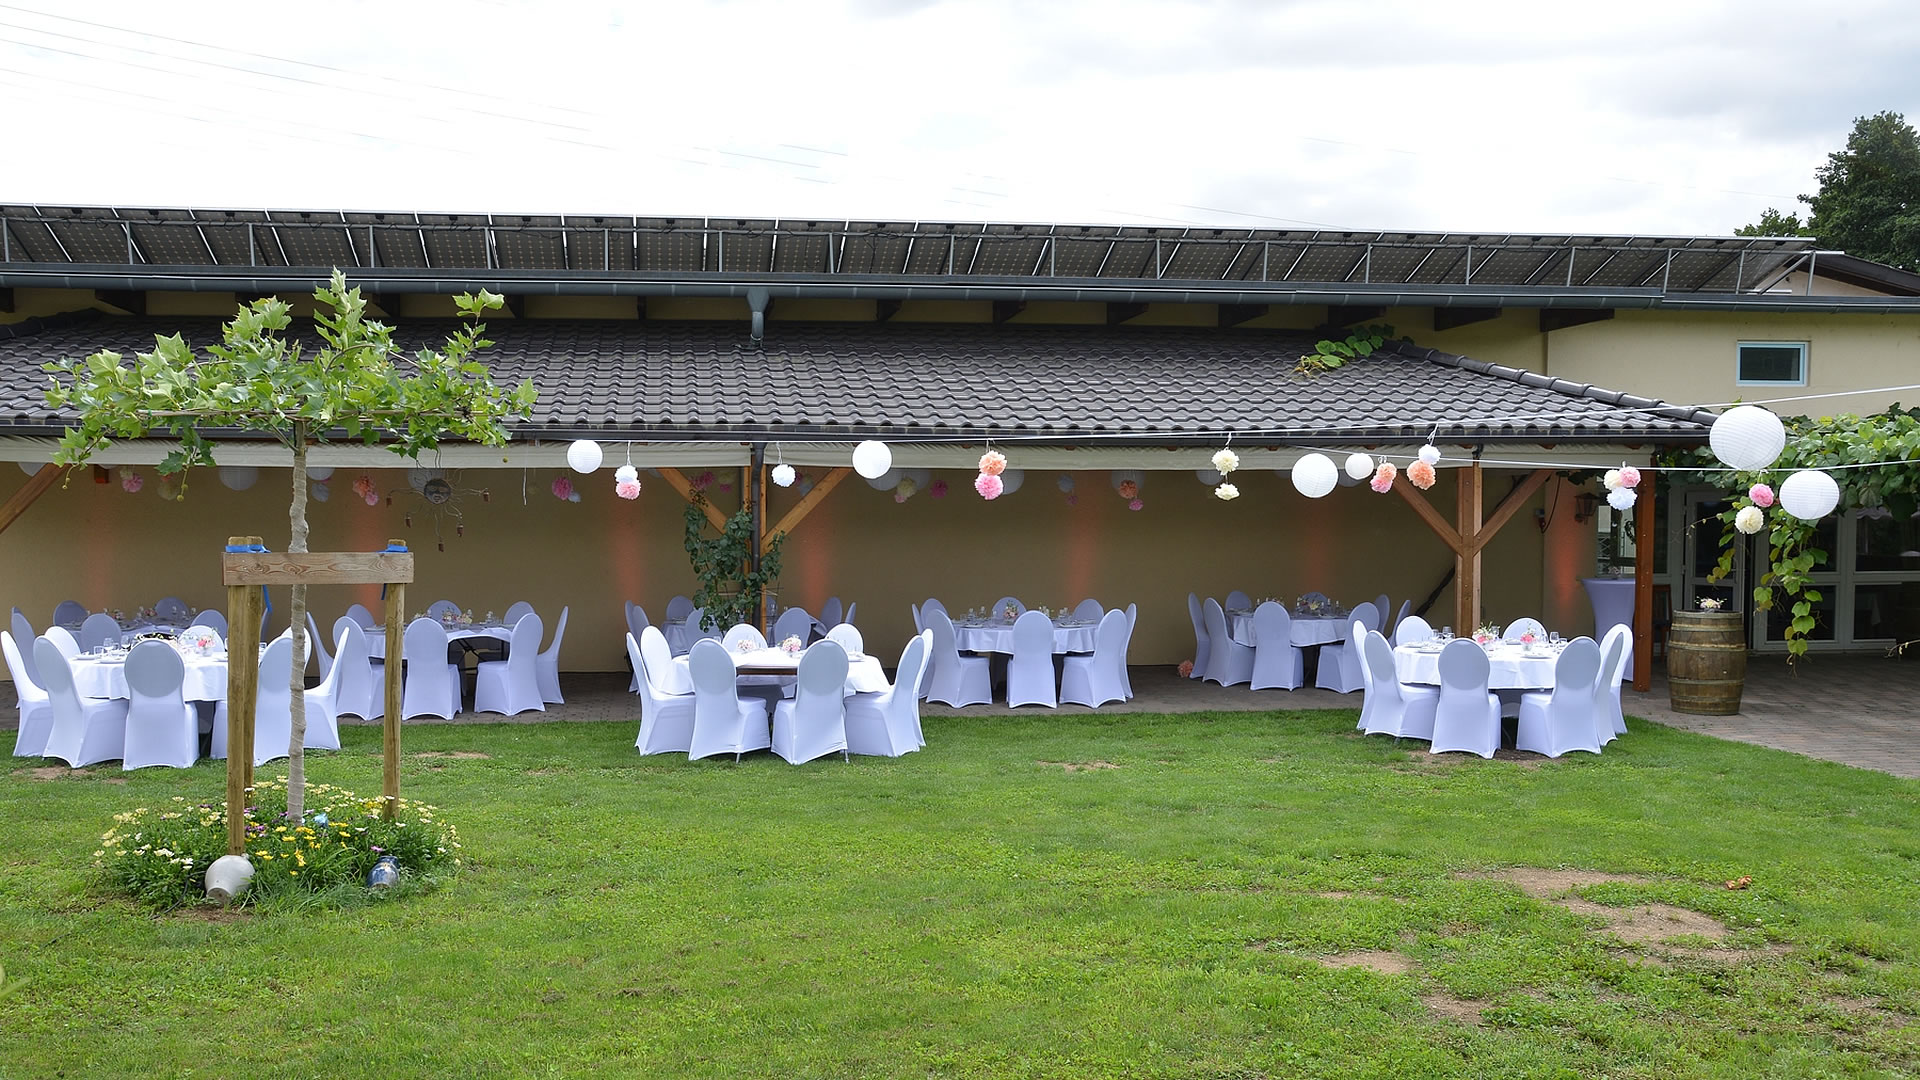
x: 791, y: 645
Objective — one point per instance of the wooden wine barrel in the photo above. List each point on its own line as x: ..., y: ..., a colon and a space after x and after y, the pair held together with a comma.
x: 1706, y: 662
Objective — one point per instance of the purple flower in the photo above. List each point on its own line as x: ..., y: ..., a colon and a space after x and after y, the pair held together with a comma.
x: 378, y: 848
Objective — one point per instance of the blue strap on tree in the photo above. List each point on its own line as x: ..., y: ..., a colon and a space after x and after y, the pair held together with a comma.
x: 254, y: 549
x: 390, y: 549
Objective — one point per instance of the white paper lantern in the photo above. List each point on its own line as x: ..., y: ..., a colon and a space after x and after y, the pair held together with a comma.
x: 1359, y: 466
x: 1809, y: 494
x: 1430, y: 454
x: 239, y: 477
x: 1747, y: 437
x: 1011, y: 479
x: 30, y: 467
x: 871, y: 458
x: 783, y: 474
x: 886, y: 481
x: 319, y: 472
x: 583, y: 456
x: 321, y: 493
x: 1622, y: 499
x: 1209, y: 477
x: 922, y: 478
x: 1315, y: 474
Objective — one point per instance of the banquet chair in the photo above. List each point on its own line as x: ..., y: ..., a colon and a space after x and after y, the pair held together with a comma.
x: 83, y: 730
x: 743, y: 632
x: 547, y: 664
x: 1228, y: 662
x: 1314, y: 596
x: 956, y: 680
x: 931, y: 605
x: 99, y: 629
x: 1561, y: 720
x: 849, y: 637
x: 1467, y: 715
x: 162, y: 727
x: 1278, y: 664
x: 1385, y: 607
x: 23, y: 636
x: 1357, y: 634
x: 323, y: 706
x: 361, y: 688
x: 69, y: 613
x: 514, y: 611
x: 723, y: 721
x: 63, y: 640
x: 917, y: 624
x: 1238, y: 600
x: 1000, y: 606
x: 1093, y: 680
x: 1126, y: 675
x: 636, y: 622
x: 1519, y: 627
x: 1089, y: 609
x: 830, y: 611
x: 814, y: 722
x: 1402, y: 710
x: 793, y: 622
x: 1613, y: 722
x: 272, y: 707
x: 170, y: 609
x: 213, y: 620
x: 851, y: 608
x: 431, y: 686
x: 679, y: 608
x: 361, y: 616
x: 317, y: 647
x: 1412, y: 630
x: 1030, y: 669
x: 666, y: 719
x: 36, y: 709
x: 512, y: 686
x: 1406, y: 610
x: 1340, y: 661
x: 1201, y: 650
x: 440, y: 609
x: 886, y: 723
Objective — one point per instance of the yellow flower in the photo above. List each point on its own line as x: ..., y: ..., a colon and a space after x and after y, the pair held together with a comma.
x: 293, y: 873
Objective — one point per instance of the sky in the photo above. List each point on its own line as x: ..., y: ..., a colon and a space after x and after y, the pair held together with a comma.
x: 1673, y: 118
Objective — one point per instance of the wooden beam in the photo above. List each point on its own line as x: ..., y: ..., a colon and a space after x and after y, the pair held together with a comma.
x: 1119, y: 313
x: 29, y: 492
x: 885, y: 310
x: 1428, y: 514
x: 1644, y: 540
x: 805, y: 506
x: 1552, y: 319
x: 1466, y: 578
x: 1448, y: 318
x: 1508, y: 506
x: 1007, y: 309
x: 1347, y: 315
x: 128, y: 300
x: 390, y: 723
x: 317, y: 568
x: 678, y: 481
x: 1234, y: 314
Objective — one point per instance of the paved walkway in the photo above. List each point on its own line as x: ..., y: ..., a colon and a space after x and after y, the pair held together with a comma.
x: 1851, y: 709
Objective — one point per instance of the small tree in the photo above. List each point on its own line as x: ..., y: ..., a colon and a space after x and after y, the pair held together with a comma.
x: 1869, y: 199
x: 255, y: 379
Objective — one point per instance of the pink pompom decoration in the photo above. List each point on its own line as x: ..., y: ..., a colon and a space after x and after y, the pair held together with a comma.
x: 1421, y: 474
x: 1383, y: 477
x: 1072, y: 499
x: 993, y: 463
x: 1128, y: 489
x: 1761, y: 494
x: 701, y: 482
x: 988, y: 485
x: 627, y: 489
x: 372, y: 499
x: 937, y: 489
x: 562, y: 487
x: 130, y: 482
x: 1629, y: 476
x: 1135, y: 505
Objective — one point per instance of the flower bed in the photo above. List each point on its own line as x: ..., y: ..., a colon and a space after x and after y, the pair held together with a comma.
x: 159, y: 855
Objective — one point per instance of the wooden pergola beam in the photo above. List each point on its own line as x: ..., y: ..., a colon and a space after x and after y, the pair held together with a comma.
x: 1428, y: 514
x: 678, y: 481
x: 804, y: 507
x: 1511, y: 504
x: 1469, y: 535
x: 29, y: 493
x: 1643, y: 581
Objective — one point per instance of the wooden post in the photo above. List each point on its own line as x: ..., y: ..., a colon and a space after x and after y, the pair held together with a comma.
x: 1643, y: 542
x: 243, y: 687
x: 390, y: 726
x: 1466, y: 578
x: 29, y: 492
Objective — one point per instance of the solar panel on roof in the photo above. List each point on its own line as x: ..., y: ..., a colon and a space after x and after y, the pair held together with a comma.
x: 530, y: 243
x: 93, y: 241
x: 1078, y: 258
x: 1329, y: 263
x: 1128, y: 259
x: 801, y: 253
x: 1198, y: 260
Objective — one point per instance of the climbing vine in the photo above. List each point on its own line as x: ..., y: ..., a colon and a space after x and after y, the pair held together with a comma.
x: 1329, y: 354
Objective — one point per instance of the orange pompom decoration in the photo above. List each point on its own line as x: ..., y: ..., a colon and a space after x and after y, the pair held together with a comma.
x: 993, y: 463
x: 1421, y: 474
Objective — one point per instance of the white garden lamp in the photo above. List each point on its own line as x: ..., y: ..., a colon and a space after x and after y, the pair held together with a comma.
x: 872, y: 459
x: 583, y: 455
x: 1809, y: 495
x: 1747, y: 437
x: 1315, y: 474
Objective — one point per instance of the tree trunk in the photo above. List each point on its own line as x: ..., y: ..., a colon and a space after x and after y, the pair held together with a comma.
x: 297, y: 613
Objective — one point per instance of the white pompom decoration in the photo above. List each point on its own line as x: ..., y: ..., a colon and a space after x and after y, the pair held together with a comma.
x: 626, y: 474
x: 1747, y: 437
x: 583, y: 455
x: 1315, y: 475
x: 1430, y: 454
x: 872, y: 458
x: 1622, y: 498
x: 1809, y: 494
x: 783, y: 474
x: 1359, y: 466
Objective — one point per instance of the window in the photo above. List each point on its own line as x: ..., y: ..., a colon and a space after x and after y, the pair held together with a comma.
x: 1772, y: 363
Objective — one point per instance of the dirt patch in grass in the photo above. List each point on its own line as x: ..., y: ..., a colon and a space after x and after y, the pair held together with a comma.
x: 1634, y: 924
x: 1078, y: 766
x: 1335, y: 894
x: 1523, y: 758
x: 1441, y: 1003
x: 1554, y: 884
x: 457, y: 755
x: 209, y: 913
x: 48, y: 772
x: 1384, y: 961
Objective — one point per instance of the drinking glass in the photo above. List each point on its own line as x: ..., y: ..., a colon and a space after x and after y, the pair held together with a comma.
x: 1553, y: 638
x: 1446, y: 633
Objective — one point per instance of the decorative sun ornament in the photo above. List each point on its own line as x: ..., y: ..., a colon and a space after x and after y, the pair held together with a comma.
x: 439, y: 495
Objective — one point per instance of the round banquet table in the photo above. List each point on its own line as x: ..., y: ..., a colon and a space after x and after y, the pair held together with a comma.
x: 1307, y: 629
x: 1071, y: 636
x: 377, y: 637
x: 864, y: 673
x: 206, y: 677
x: 1511, y: 666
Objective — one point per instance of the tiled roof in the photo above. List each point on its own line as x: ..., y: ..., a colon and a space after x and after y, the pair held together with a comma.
x: 679, y: 380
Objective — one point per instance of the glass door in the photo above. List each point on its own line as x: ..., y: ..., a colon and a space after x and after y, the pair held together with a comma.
x: 1702, y: 533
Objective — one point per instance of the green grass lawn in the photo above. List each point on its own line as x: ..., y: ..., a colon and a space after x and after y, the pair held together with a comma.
x: 973, y: 911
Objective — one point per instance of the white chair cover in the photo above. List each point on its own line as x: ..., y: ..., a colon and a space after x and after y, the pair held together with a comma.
x: 1340, y: 667
x: 1406, y: 608
x: 917, y: 624
x: 723, y: 721
x: 814, y: 722
x: 852, y: 607
x: 317, y: 646
x: 1201, y: 652
x: 886, y: 723
x: 743, y: 632
x: 23, y: 636
x: 1467, y: 716
x: 1524, y: 626
x: 793, y: 622
x: 1088, y: 609
x: 1238, y: 600
x: 360, y: 689
x: 849, y: 637
x: 548, y: 666
x: 1126, y: 675
x: 512, y: 686
x: 666, y: 719
x: 432, y: 686
x: 360, y: 615
x: 1278, y: 664
x: 679, y: 608
x: 956, y: 680
x: 99, y: 629
x: 36, y: 709
x: 69, y: 613
x: 63, y: 640
x: 1030, y: 669
x: 1393, y: 707
x: 1094, y: 680
x: 1229, y: 663
x: 517, y: 609
x: 1357, y: 635
x: 1613, y: 716
x: 830, y: 611
x: 1563, y: 719
x: 272, y: 707
x: 1412, y: 629
x: 170, y: 609
x: 84, y: 730
x: 323, y: 705
x: 440, y: 609
x: 1385, y: 608
x: 214, y: 621
x: 933, y: 604
x: 162, y: 729
x: 636, y: 622
x: 1000, y: 606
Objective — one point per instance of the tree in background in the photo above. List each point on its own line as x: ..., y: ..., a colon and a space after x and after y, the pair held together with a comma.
x: 1869, y: 199
x: 256, y: 380
x: 1775, y: 223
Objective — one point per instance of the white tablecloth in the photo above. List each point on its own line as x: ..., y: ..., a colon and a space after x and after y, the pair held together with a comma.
x: 206, y: 678
x: 377, y: 637
x: 132, y: 629
x: 1307, y: 629
x: 864, y: 673
x: 1511, y: 667
x: 998, y: 637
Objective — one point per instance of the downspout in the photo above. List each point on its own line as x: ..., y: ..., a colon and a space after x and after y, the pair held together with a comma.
x: 758, y: 298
